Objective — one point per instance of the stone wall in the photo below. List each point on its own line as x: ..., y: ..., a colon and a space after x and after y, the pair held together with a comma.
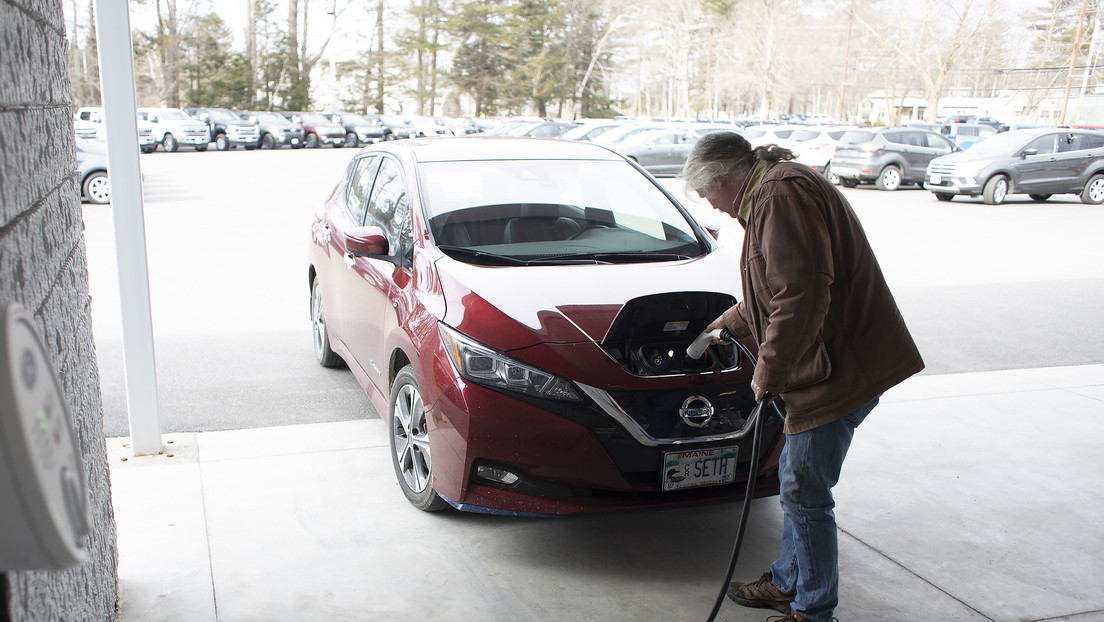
x: 43, y: 267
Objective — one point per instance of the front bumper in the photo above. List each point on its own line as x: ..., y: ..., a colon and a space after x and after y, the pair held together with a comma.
x: 569, y: 457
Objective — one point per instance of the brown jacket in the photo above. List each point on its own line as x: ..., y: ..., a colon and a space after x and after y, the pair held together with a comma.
x: 829, y: 332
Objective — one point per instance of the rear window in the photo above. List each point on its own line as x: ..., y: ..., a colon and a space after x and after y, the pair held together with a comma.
x: 804, y: 135
x: 854, y: 138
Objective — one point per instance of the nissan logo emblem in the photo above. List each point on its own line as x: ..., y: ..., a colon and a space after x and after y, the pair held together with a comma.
x: 696, y: 411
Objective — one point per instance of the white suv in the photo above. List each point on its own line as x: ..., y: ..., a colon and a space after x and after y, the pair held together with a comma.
x: 173, y: 128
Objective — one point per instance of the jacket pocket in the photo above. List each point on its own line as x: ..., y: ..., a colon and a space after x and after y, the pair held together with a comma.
x: 814, y: 366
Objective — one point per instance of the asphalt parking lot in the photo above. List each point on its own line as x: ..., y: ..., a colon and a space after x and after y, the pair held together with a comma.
x: 964, y: 497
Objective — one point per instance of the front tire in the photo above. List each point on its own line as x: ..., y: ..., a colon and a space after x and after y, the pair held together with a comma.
x: 222, y: 143
x: 312, y: 141
x: 97, y: 189
x: 1093, y: 194
x: 410, y: 451
x: 322, y: 352
x: 268, y: 142
x: 169, y: 143
x: 996, y: 189
x: 944, y: 196
x: 1039, y: 197
x: 890, y: 178
x: 352, y: 140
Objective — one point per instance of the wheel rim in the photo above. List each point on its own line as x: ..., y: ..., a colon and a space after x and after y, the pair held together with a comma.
x: 222, y: 143
x: 1000, y: 191
x: 268, y: 142
x: 1096, y: 190
x: 99, y: 190
x: 318, y: 322
x: 411, y: 439
x: 891, y: 179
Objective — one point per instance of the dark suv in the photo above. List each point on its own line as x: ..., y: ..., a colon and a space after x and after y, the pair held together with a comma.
x: 1036, y: 162
x: 228, y: 130
x: 887, y: 156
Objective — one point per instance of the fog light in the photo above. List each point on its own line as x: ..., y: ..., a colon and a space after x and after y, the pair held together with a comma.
x: 500, y: 476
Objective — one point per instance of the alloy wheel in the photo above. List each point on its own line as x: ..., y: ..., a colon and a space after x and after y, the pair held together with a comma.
x: 411, y: 439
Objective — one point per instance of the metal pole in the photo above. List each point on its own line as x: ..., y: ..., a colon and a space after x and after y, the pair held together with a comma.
x: 121, y: 128
x: 1073, y: 60
x: 1089, y: 67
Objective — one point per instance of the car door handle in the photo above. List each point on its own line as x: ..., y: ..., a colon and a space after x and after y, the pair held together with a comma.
x: 350, y: 261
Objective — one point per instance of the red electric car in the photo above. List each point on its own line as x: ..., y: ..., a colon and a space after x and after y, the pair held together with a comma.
x: 518, y: 310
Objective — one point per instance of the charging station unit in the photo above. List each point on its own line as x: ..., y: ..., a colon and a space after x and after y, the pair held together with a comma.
x: 44, y: 517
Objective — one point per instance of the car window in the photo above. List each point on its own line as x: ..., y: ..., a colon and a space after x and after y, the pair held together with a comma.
x: 916, y: 139
x: 665, y: 139
x: 896, y: 137
x: 1092, y: 141
x: 938, y: 142
x: 388, y: 206
x: 1044, y: 144
x: 361, y: 176
x: 854, y: 138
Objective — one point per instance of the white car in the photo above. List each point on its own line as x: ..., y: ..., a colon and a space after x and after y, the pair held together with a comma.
x: 88, y: 124
x: 814, y: 145
x: 173, y: 129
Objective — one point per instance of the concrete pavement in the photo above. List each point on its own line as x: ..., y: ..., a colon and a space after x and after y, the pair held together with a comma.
x: 965, y: 497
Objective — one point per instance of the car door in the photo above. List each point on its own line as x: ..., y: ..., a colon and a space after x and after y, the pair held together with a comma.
x: 1073, y: 157
x: 1035, y: 171
x: 371, y: 289
x: 907, y: 147
x: 344, y: 212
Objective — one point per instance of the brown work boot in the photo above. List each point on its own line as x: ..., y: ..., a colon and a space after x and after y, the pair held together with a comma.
x: 761, y: 593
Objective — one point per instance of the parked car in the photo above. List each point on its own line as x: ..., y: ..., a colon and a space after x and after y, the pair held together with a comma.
x: 429, y: 127
x: 589, y: 131
x: 92, y: 170
x: 276, y: 130
x: 815, y: 145
x: 88, y: 124
x: 545, y: 128
x: 759, y: 135
x: 228, y: 129
x: 361, y: 129
x: 455, y: 278
x: 173, y: 129
x: 966, y: 135
x: 1035, y: 162
x: 660, y: 152
x: 400, y: 127
x: 887, y: 156
x: 318, y: 130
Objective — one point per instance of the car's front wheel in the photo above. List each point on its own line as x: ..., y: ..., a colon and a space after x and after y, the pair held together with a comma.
x: 222, y: 143
x: 352, y: 140
x: 326, y: 357
x: 1093, y: 194
x: 97, y: 189
x: 410, y: 451
x: 268, y: 142
x: 995, y: 191
x: 890, y: 178
x: 169, y: 143
x: 312, y: 141
x: 1039, y: 197
x: 944, y: 196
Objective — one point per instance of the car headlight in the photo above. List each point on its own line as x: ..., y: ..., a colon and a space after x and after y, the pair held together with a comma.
x: 970, y: 169
x: 488, y: 367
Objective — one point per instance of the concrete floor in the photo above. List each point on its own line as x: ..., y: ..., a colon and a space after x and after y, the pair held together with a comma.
x: 965, y: 497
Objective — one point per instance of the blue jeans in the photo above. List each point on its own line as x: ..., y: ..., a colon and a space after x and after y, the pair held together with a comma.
x: 809, y: 467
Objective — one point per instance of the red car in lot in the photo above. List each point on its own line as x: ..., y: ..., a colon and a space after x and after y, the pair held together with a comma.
x: 518, y: 311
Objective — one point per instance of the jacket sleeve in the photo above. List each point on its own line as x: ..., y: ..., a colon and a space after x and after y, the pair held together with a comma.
x: 795, y: 255
x: 734, y: 320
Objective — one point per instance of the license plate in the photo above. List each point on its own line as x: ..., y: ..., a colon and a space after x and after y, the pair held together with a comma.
x: 295, y: 141
x: 699, y: 467
x: 936, y: 179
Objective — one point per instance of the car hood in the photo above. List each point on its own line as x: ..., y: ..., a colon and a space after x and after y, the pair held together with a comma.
x: 510, y: 308
x: 959, y: 157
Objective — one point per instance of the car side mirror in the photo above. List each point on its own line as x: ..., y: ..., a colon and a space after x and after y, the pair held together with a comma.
x: 711, y: 225
x: 1029, y: 152
x: 205, y: 117
x: 366, y: 242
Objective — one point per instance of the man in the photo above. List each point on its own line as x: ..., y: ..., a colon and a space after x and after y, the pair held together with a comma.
x: 831, y: 341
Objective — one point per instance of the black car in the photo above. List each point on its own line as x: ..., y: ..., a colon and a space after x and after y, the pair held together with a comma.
x: 1036, y: 162
x: 887, y: 156
x: 228, y: 129
x: 362, y: 129
x: 276, y: 129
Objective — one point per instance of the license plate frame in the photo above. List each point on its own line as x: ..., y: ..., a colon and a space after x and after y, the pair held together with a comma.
x: 695, y: 468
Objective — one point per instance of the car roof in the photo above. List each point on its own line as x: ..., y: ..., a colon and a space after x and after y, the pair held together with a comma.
x: 472, y: 148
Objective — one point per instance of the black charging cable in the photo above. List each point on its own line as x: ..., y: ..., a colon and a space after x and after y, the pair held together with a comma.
x: 753, y: 469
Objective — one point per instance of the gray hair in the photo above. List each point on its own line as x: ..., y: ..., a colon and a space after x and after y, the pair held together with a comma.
x: 723, y: 154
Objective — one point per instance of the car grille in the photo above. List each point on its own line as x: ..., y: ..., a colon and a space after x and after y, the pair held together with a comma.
x: 195, y: 132
x: 657, y: 412
x: 939, y: 168
x: 243, y: 134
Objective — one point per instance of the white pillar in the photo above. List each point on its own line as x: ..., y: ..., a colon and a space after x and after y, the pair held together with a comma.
x: 121, y: 128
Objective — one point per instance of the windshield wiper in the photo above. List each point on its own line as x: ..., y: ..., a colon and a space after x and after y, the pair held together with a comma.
x: 614, y: 257
x: 492, y: 258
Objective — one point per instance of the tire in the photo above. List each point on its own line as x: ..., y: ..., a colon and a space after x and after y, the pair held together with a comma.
x: 1039, y: 197
x: 943, y: 196
x: 351, y: 140
x: 322, y: 352
x: 1093, y: 194
x: 96, y: 188
x: 996, y: 190
x: 201, y: 148
x: 149, y: 149
x: 890, y: 178
x: 222, y: 143
x: 410, y: 451
x: 849, y: 183
x: 169, y: 143
x: 268, y: 142
x: 832, y: 177
x: 311, y: 141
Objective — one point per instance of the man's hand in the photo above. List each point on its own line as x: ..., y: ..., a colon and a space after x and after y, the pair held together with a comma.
x: 761, y: 394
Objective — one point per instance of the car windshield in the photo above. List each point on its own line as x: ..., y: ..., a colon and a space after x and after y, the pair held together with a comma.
x: 270, y: 116
x: 315, y: 118
x: 552, y: 211
x: 1006, y: 143
x: 172, y: 114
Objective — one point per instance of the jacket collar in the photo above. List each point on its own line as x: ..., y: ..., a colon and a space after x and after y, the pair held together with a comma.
x: 743, y: 200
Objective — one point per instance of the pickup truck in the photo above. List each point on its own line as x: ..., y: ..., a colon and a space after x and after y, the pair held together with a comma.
x: 228, y: 130
x: 173, y: 129
x: 88, y: 123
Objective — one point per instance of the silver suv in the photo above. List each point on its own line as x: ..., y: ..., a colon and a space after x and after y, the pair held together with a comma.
x: 1035, y: 162
x: 887, y: 156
